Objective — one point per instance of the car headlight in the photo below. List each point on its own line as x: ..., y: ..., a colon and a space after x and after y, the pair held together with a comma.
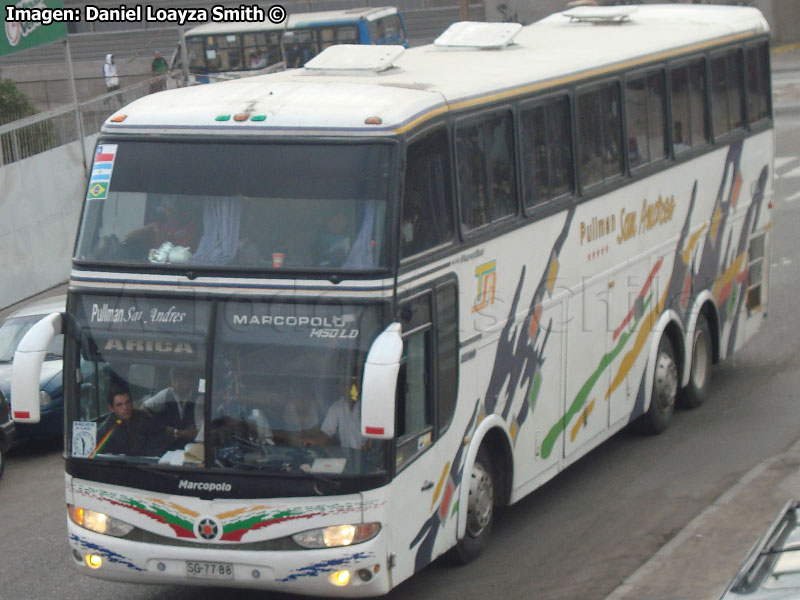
x: 337, y: 535
x: 97, y: 521
x: 44, y: 399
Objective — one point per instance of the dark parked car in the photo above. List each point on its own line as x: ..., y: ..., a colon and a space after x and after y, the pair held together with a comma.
x: 6, y: 431
x: 772, y: 569
x: 51, y: 395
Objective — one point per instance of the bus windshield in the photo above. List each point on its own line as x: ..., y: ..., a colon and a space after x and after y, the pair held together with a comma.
x: 280, y: 396
x: 237, y: 206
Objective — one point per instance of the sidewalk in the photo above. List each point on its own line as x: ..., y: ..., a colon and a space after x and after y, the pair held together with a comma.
x: 699, y: 562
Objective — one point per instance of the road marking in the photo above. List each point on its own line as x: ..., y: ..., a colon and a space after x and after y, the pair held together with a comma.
x: 793, y: 173
x: 782, y: 161
x: 793, y: 198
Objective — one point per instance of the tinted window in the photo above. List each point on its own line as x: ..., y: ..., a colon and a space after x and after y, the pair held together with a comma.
x: 600, y: 134
x: 427, y: 219
x: 486, y: 174
x: 644, y: 108
x: 689, y: 122
x: 758, y: 95
x: 727, y: 106
x: 546, y: 151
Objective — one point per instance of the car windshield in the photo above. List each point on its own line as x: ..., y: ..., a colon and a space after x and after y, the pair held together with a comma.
x: 237, y: 206
x: 14, y: 329
x: 280, y: 396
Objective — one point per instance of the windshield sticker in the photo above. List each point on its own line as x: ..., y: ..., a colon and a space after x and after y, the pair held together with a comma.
x: 328, y: 465
x: 84, y: 438
x: 100, y: 178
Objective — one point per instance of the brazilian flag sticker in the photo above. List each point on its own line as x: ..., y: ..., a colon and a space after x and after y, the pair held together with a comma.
x: 98, y: 190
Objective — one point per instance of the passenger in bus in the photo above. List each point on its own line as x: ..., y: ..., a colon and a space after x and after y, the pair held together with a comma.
x: 173, y: 224
x: 257, y: 60
x: 333, y: 245
x: 127, y: 430
x: 342, y: 423
x: 178, y: 408
x: 301, y: 415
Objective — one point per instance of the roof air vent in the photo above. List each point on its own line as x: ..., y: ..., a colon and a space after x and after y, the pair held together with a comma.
x: 600, y: 15
x: 484, y: 36
x: 354, y: 58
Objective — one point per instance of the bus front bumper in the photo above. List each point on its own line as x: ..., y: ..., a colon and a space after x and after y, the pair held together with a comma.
x: 309, y: 572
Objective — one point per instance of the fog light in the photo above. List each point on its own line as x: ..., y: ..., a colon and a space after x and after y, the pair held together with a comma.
x: 365, y: 574
x: 94, y: 561
x: 340, y: 578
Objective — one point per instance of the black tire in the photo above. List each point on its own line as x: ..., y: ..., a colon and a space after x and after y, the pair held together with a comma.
x: 696, y: 391
x: 2, y: 459
x: 664, y: 390
x: 480, y: 511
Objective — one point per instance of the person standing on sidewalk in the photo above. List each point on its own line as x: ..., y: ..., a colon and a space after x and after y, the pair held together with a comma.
x: 112, y: 79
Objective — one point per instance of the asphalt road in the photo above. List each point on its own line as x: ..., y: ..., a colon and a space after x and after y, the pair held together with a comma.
x: 579, y: 536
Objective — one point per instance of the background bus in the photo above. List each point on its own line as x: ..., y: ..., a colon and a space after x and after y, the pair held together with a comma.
x: 308, y: 34
x: 219, y: 51
x: 490, y: 261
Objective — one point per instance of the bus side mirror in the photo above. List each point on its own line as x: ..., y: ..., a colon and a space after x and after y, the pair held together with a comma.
x: 379, y: 385
x: 27, y: 368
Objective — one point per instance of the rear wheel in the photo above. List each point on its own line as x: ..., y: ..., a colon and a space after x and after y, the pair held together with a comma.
x: 480, y: 510
x: 696, y: 391
x: 664, y: 391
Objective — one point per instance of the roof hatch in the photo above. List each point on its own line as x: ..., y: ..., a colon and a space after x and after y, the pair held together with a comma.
x: 358, y: 58
x: 483, y: 36
x: 600, y: 15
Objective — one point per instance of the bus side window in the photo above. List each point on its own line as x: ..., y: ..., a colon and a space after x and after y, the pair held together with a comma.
x: 415, y: 410
x: 486, y: 170
x: 727, y: 101
x: 758, y: 83
x: 600, y: 134
x: 546, y: 151
x: 644, y: 109
x: 427, y: 219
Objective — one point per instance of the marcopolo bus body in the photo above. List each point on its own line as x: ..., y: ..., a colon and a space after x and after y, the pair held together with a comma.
x: 398, y: 288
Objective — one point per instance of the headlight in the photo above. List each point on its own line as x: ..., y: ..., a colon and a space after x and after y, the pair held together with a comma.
x: 337, y: 535
x: 98, y: 522
x: 44, y: 399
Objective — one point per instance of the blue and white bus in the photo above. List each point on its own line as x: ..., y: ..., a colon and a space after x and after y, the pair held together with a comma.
x: 308, y: 34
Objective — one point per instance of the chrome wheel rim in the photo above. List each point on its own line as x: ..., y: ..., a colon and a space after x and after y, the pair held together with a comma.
x: 700, y: 361
x: 481, y: 501
x: 665, y: 385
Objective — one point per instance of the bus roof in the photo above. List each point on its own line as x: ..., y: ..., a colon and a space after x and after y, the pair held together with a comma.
x: 333, y: 17
x: 431, y: 80
x: 234, y: 27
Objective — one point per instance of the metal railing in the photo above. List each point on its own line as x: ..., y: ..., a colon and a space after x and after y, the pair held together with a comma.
x: 44, y: 131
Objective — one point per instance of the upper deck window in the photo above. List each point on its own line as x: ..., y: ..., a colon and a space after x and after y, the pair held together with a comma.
x: 689, y: 121
x: 237, y: 206
x: 600, y: 134
x: 727, y: 92
x: 486, y: 174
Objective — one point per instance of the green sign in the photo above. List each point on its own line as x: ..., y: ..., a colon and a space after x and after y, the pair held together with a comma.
x: 31, y: 23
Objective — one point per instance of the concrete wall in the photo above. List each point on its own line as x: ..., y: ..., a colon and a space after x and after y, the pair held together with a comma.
x: 40, y: 203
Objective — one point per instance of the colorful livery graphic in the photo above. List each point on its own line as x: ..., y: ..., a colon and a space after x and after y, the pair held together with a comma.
x: 321, y: 323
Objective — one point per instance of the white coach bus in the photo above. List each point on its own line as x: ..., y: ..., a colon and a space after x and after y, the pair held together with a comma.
x: 396, y: 289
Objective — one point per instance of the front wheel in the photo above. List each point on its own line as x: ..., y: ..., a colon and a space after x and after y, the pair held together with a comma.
x: 696, y: 391
x: 480, y: 510
x: 664, y: 391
